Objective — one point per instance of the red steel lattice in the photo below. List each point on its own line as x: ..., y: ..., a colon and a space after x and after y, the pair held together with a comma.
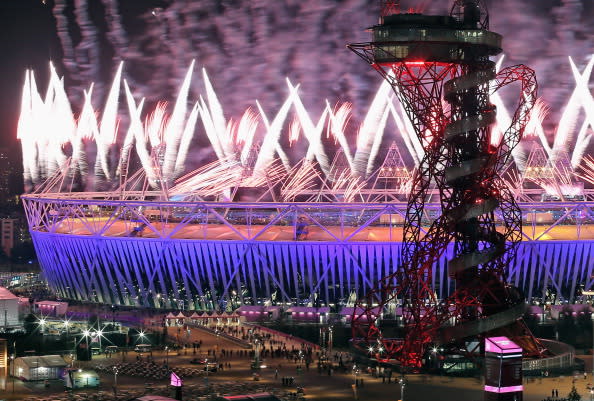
x: 447, y: 101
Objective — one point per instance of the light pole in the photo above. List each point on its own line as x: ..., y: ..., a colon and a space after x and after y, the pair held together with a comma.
x: 12, y: 366
x: 115, y: 380
x: 67, y: 327
x: 402, y: 382
x: 330, y: 341
x: 86, y: 334
x: 435, y: 357
x: 257, y: 353
x: 141, y: 337
x: 100, y: 334
x: 166, y: 355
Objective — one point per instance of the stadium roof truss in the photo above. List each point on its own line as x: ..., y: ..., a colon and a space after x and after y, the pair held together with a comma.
x: 130, y: 251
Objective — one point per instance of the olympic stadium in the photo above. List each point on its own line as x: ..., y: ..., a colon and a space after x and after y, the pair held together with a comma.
x: 194, y: 255
x: 146, y: 233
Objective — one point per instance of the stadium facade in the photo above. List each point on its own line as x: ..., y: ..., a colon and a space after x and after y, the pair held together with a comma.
x: 207, y: 255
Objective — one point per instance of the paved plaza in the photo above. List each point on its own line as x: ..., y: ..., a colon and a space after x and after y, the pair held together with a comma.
x: 318, y: 385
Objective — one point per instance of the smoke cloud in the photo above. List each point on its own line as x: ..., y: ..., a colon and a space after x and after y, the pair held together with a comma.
x: 248, y: 47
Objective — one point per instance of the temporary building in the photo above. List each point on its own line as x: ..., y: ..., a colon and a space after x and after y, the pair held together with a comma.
x: 9, y: 308
x: 51, y: 308
x: 254, y: 313
x: 347, y: 312
x: 308, y: 314
x: 24, y: 305
x: 39, y: 367
x: 78, y: 378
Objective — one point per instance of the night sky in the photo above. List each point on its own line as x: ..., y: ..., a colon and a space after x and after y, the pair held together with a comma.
x: 27, y: 40
x: 249, y: 47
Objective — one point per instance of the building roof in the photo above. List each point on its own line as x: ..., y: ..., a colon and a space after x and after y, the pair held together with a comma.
x: 248, y: 308
x: 48, y: 361
x: 349, y: 310
x: 51, y: 303
x: 306, y: 309
x: 5, y: 294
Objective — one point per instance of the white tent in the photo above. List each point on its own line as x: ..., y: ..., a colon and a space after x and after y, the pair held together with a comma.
x: 38, y: 367
x: 9, y: 308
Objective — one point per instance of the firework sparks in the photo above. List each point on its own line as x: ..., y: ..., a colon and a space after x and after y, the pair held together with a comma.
x: 247, y: 150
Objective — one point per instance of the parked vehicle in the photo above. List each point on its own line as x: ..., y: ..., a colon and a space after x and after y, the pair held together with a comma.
x: 140, y: 348
x: 111, y: 349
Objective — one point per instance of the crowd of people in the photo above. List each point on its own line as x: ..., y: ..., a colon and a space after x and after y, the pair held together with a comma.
x: 191, y: 392
x: 148, y: 368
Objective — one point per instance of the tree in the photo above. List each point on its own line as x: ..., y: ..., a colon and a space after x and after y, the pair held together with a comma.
x: 573, y: 394
x: 30, y: 323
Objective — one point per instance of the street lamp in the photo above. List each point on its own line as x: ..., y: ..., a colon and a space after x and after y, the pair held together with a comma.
x: 141, y: 337
x: 402, y: 382
x: 115, y: 380
x: 257, y: 344
x: 86, y: 334
x: 100, y: 334
x: 12, y: 366
x: 166, y: 355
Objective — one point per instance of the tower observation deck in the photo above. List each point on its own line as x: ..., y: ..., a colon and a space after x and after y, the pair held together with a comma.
x: 440, y: 70
x: 428, y: 38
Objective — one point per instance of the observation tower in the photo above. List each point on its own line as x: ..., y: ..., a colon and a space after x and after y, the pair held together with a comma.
x: 439, y: 67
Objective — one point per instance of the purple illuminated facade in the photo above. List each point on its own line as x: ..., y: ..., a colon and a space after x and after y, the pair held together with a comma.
x: 202, y: 255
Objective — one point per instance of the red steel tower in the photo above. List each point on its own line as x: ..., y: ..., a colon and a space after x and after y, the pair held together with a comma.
x: 439, y: 68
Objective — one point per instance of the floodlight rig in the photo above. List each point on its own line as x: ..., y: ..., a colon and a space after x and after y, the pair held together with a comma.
x: 440, y: 70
